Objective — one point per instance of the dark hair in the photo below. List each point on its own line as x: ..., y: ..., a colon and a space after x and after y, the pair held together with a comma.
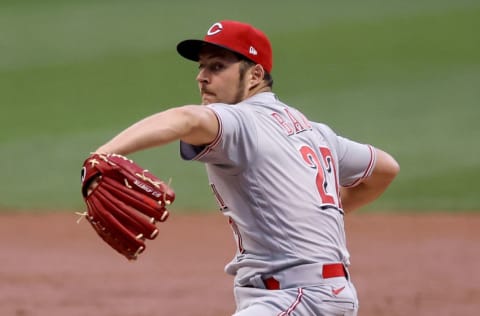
x: 247, y: 63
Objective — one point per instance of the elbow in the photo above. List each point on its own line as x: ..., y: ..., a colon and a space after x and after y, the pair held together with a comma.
x: 397, y: 168
x: 392, y: 168
x: 386, y: 166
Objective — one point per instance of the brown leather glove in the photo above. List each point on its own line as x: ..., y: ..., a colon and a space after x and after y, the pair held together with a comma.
x: 124, y: 202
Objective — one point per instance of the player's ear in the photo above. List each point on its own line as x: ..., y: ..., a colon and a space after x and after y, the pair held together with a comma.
x: 257, y: 73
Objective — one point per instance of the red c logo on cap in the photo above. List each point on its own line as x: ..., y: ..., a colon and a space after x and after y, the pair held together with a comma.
x: 215, y: 29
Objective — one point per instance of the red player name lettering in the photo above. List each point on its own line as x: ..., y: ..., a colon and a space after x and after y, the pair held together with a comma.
x: 292, y: 124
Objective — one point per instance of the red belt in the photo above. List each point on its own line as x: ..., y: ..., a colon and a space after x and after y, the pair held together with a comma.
x: 332, y: 270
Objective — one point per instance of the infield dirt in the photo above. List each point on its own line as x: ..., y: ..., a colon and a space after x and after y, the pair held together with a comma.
x: 401, y: 265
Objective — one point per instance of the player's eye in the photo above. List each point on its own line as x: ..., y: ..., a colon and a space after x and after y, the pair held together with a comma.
x: 216, y: 67
x: 213, y: 67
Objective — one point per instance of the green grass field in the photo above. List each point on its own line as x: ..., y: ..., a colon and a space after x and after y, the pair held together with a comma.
x: 402, y: 75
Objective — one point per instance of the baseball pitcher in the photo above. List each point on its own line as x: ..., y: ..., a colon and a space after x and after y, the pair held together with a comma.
x: 283, y: 180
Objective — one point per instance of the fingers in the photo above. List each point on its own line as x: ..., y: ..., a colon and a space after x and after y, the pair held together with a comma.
x: 93, y: 185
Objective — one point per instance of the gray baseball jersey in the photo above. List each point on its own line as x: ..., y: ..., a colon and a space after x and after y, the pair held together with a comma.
x: 276, y: 176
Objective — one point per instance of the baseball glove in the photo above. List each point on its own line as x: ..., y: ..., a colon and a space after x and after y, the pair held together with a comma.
x: 124, y: 202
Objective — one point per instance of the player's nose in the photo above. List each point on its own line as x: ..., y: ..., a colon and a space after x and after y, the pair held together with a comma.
x: 202, y: 76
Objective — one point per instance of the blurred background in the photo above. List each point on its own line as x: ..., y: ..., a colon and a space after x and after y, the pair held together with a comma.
x: 402, y: 75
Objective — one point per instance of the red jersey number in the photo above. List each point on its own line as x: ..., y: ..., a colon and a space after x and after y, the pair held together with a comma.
x: 313, y: 161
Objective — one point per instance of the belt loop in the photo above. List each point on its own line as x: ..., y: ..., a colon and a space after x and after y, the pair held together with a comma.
x: 257, y: 282
x: 347, y: 273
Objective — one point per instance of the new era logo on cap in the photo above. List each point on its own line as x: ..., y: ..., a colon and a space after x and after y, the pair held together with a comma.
x: 236, y: 36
